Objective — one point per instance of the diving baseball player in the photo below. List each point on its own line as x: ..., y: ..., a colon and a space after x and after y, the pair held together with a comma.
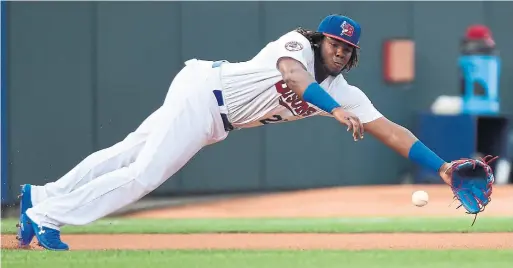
x: 296, y: 76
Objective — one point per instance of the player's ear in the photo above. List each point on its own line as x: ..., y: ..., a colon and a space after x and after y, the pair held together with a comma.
x: 321, y: 41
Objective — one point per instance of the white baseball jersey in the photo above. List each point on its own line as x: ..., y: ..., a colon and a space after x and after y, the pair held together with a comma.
x: 187, y: 121
x: 255, y: 93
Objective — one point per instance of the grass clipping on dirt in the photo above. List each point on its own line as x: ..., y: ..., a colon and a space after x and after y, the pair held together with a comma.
x: 288, y: 225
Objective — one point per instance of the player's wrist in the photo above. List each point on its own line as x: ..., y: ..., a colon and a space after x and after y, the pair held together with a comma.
x: 443, y: 169
x: 423, y: 156
x: 317, y: 96
x: 336, y: 109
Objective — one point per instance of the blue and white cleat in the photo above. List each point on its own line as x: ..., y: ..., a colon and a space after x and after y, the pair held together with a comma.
x: 25, y: 231
x: 47, y: 237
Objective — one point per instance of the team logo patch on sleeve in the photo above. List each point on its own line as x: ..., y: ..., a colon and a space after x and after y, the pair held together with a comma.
x: 293, y: 46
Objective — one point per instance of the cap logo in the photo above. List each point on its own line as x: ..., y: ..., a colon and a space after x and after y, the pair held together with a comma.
x: 347, y: 29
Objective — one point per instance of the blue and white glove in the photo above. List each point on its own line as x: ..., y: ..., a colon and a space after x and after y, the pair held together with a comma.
x: 471, y: 183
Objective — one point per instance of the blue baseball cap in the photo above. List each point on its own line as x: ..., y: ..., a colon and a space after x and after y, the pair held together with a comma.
x: 342, y: 28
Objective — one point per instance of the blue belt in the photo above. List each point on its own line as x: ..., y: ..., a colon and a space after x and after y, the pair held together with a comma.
x: 220, y: 101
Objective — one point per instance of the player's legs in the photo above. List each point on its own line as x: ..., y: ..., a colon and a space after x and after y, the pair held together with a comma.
x: 98, y: 163
x: 164, y: 153
x: 119, y: 155
x: 189, y: 121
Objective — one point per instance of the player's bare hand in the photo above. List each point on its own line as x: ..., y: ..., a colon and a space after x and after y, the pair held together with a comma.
x: 351, y: 121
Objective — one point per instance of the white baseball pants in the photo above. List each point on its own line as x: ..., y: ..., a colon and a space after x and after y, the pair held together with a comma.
x: 112, y: 178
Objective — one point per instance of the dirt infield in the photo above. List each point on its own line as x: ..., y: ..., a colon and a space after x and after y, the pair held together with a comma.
x: 284, y: 241
x: 372, y: 201
x: 335, y: 202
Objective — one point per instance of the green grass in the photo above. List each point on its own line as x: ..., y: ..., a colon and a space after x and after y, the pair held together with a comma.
x: 270, y: 258
x: 259, y: 259
x: 311, y: 225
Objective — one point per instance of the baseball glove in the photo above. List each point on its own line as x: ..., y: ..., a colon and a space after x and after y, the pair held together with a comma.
x: 471, y: 183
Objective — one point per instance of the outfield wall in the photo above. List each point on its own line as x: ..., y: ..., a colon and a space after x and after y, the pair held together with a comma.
x: 82, y: 75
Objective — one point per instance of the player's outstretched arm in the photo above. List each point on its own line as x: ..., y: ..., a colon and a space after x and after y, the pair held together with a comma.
x: 304, y: 85
x: 295, y: 76
x: 406, y: 144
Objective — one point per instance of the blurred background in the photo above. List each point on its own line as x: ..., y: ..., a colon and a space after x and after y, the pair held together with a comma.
x: 79, y: 76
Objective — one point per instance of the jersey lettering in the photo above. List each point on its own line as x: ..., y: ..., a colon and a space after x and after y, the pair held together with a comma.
x: 292, y: 102
x: 274, y: 119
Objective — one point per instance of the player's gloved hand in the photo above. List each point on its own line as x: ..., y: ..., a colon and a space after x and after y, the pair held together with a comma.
x: 351, y: 121
x: 471, y: 181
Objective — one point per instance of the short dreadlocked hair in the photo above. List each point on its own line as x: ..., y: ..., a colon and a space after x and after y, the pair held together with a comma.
x: 315, y: 39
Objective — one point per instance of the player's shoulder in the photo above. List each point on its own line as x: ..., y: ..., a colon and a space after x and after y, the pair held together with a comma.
x: 293, y: 34
x: 341, y: 88
x: 294, y: 41
x: 340, y: 82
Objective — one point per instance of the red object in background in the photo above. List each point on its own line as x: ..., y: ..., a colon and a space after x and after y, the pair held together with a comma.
x: 479, y: 32
x: 398, y: 61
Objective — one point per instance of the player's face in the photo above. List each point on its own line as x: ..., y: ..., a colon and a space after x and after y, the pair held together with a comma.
x: 335, y: 54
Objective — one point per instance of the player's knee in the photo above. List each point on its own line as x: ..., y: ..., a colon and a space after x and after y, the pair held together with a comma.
x: 147, y: 177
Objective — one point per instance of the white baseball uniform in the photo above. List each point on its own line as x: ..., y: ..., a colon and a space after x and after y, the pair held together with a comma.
x: 188, y: 120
